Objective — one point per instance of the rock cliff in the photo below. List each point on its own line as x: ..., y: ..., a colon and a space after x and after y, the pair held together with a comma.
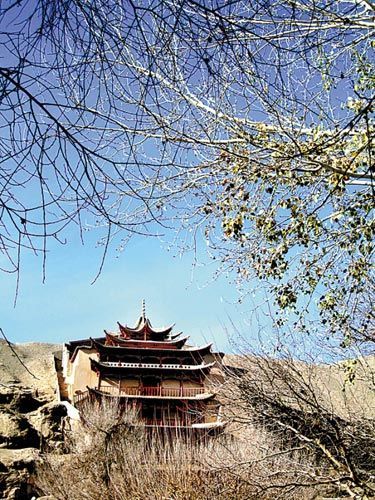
x: 31, y: 417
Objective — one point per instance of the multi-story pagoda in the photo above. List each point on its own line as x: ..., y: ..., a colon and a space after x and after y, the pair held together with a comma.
x: 168, y: 381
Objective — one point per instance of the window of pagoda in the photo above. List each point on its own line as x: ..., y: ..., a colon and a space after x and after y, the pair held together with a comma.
x: 172, y: 361
x: 151, y: 360
x: 150, y: 381
x: 129, y: 359
x: 129, y: 383
x: 167, y: 360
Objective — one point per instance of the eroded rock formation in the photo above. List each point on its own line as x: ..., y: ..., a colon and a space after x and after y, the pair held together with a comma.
x: 31, y: 418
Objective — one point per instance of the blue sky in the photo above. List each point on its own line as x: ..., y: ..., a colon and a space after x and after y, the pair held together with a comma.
x: 67, y: 306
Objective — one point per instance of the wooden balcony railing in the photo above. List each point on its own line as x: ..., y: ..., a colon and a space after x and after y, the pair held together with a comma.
x: 167, y: 422
x: 160, y: 392
x: 80, y: 396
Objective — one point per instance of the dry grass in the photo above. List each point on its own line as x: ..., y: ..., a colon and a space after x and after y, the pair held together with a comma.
x: 113, y: 459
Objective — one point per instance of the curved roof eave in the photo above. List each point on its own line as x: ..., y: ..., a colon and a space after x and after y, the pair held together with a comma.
x: 82, y: 346
x: 198, y: 348
x: 97, y: 365
x: 145, y: 324
x: 124, y: 341
x: 183, y: 350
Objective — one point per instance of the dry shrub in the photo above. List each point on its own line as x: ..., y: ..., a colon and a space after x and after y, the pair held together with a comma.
x: 112, y: 456
x: 309, y: 408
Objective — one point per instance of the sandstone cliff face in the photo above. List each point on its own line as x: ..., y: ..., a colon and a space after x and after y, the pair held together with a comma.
x: 31, y: 418
x: 16, y: 473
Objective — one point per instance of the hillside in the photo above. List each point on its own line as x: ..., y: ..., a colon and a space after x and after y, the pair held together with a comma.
x: 328, y: 382
x: 37, y: 370
x: 287, y: 398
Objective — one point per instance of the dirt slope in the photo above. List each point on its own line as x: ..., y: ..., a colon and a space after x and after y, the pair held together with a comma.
x: 36, y: 371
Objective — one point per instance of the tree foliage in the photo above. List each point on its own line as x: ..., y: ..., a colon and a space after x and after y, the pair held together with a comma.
x: 250, y: 122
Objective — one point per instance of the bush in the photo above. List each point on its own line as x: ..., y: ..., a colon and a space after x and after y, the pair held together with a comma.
x: 112, y: 456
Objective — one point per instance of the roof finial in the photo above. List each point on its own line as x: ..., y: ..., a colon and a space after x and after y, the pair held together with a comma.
x: 143, y: 309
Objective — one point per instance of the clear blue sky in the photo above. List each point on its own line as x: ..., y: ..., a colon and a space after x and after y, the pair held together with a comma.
x: 67, y: 306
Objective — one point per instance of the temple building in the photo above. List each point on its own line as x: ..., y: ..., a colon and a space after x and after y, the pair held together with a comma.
x: 170, y: 383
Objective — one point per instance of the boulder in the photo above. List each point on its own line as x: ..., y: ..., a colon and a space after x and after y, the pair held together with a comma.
x: 16, y: 431
x: 28, y: 420
x: 48, y: 421
x: 28, y: 423
x: 16, y: 469
x: 21, y: 399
